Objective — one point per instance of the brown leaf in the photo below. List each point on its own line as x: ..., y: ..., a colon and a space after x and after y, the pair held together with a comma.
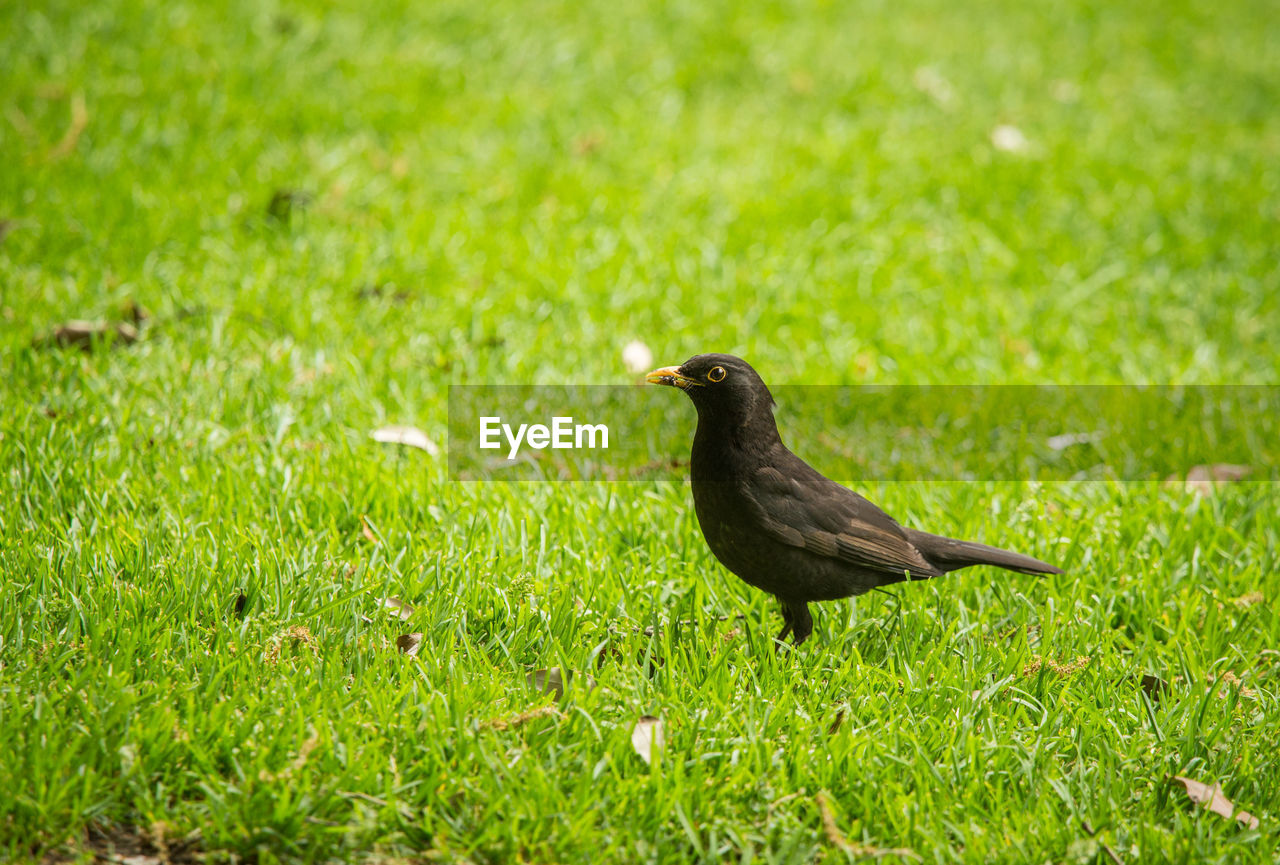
x: 836, y: 837
x: 283, y: 202
x: 1204, y: 480
x: 554, y: 681
x: 1155, y: 687
x: 86, y: 335
x: 406, y: 435
x: 367, y: 532
x: 1212, y: 798
x: 397, y: 608
x: 648, y: 738
x: 835, y: 725
x: 409, y: 643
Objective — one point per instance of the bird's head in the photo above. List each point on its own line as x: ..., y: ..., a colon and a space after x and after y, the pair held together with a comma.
x: 721, y: 386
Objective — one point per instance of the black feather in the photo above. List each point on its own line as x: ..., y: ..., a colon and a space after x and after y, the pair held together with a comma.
x: 773, y: 520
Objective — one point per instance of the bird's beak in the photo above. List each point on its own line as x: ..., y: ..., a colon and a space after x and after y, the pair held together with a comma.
x: 670, y: 375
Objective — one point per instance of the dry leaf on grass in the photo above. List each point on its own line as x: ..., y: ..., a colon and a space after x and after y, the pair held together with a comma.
x: 837, y: 839
x: 409, y: 643
x: 88, y: 335
x: 1204, y: 480
x: 648, y: 738
x: 1211, y: 798
x: 554, y: 681
x: 406, y: 435
x: 367, y: 532
x: 398, y: 608
x: 284, y: 201
x: 1155, y: 687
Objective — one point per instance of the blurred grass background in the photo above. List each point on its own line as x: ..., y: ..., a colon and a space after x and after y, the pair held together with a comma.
x: 333, y: 211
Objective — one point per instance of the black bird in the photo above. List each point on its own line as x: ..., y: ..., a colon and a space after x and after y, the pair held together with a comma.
x: 777, y: 523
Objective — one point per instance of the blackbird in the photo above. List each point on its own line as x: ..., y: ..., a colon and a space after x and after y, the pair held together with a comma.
x: 773, y: 520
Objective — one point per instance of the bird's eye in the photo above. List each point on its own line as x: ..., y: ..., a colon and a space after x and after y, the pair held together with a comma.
x: 717, y: 373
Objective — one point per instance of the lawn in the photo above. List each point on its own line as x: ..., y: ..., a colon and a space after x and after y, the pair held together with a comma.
x: 332, y: 212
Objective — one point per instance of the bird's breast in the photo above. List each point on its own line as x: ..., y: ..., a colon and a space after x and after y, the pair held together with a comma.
x: 725, y: 522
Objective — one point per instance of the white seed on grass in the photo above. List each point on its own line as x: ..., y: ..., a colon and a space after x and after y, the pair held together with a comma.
x: 406, y: 435
x: 637, y: 357
x: 648, y: 738
x: 1009, y: 139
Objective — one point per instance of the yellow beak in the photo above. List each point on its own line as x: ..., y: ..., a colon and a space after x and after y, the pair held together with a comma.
x: 670, y: 375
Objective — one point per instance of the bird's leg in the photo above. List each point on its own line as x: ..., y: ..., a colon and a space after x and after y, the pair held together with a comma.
x: 801, y: 622
x: 787, y: 625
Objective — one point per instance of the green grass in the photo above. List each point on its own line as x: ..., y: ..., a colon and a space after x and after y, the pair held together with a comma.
x: 508, y: 193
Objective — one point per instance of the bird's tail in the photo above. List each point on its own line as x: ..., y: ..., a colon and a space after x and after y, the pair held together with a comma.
x: 949, y: 554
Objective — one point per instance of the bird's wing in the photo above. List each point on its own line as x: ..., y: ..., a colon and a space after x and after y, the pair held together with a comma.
x: 826, y: 519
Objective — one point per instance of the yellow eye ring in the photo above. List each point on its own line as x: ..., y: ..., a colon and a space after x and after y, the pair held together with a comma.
x: 717, y: 373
